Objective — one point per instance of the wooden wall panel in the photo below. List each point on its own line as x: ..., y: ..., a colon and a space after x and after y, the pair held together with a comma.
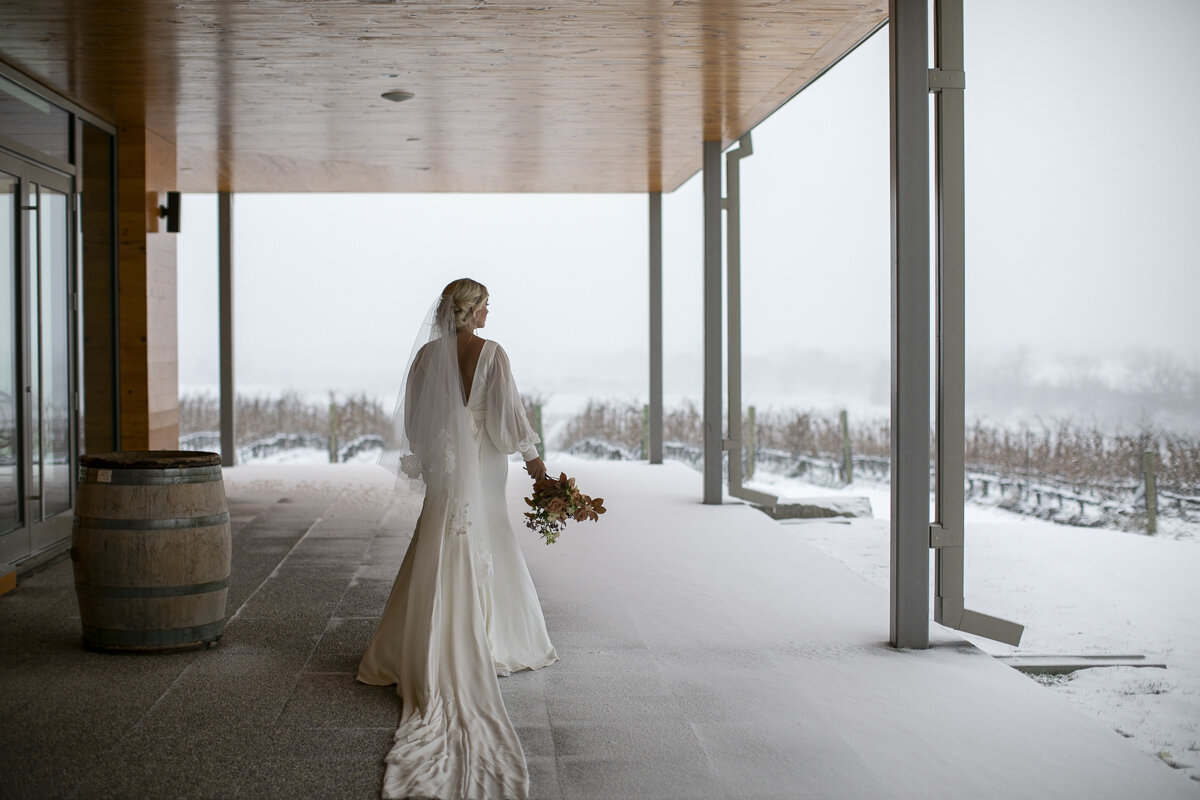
x: 99, y: 343
x: 149, y: 367
x: 162, y: 302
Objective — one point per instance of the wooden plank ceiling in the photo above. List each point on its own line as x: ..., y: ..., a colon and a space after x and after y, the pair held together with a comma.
x: 573, y: 96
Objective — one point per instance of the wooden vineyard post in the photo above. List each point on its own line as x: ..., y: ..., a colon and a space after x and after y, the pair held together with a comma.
x: 333, y: 426
x: 537, y: 427
x: 847, y: 462
x: 646, y: 431
x: 750, y: 434
x: 1148, y: 469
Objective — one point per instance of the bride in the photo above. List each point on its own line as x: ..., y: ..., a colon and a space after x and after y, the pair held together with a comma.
x: 463, y: 608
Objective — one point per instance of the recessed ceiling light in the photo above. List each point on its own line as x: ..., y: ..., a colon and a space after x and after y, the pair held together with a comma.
x: 397, y: 96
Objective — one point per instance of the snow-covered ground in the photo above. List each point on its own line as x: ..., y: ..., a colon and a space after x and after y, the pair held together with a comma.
x: 1078, y: 591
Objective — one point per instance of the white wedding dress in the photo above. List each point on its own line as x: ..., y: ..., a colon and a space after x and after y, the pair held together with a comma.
x: 462, y: 610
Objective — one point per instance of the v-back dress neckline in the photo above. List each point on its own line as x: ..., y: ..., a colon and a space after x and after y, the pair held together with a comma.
x: 469, y: 392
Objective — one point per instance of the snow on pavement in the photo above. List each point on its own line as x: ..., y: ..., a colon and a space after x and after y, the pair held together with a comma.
x: 1078, y: 591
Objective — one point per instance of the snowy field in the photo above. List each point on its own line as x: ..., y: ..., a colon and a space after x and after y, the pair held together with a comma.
x: 1077, y: 591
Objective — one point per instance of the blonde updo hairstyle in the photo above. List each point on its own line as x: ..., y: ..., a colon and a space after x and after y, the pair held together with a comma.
x: 465, y: 297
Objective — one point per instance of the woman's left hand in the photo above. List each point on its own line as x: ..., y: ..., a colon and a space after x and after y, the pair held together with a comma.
x: 536, y: 469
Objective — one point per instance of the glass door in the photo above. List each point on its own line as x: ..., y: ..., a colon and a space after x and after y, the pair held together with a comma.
x: 37, y: 410
x: 14, y: 539
x: 49, y: 305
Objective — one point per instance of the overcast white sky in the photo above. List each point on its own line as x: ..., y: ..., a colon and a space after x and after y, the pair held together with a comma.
x: 1083, y: 193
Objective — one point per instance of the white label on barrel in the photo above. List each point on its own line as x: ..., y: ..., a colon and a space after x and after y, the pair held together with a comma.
x: 104, y: 476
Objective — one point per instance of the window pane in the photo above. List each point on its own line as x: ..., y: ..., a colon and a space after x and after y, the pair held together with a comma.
x: 56, y: 387
x: 10, y: 488
x: 33, y: 121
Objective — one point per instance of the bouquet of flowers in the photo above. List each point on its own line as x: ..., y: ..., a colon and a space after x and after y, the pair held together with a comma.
x: 554, y: 501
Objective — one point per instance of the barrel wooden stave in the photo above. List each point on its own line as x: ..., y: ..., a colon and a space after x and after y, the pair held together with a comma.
x: 115, y: 501
x: 152, y: 614
x: 151, y: 558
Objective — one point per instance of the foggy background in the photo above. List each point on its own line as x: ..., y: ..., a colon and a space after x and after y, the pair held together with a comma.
x: 1082, y: 245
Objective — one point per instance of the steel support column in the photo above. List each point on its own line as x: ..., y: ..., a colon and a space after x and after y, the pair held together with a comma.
x: 225, y: 281
x: 655, y: 456
x: 713, y: 451
x: 908, y: 34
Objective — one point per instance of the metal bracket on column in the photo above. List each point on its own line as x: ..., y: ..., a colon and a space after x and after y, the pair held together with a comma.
x: 949, y: 611
x: 943, y: 537
x: 940, y: 79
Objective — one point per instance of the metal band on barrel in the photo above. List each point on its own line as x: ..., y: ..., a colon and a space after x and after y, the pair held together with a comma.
x: 152, y: 591
x: 151, y: 477
x: 169, y: 524
x: 153, y: 638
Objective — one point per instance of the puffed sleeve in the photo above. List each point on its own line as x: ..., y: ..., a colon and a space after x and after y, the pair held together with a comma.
x: 507, y: 424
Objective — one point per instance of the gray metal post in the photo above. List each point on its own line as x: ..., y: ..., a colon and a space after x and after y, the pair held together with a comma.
x: 733, y: 306
x: 713, y: 451
x: 656, y: 332
x: 908, y: 33
x: 733, y: 310
x: 949, y: 420
x: 1149, y: 462
x: 225, y: 268
x: 947, y: 533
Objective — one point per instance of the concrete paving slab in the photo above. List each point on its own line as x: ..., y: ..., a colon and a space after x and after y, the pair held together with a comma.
x: 307, y: 596
x: 592, y: 777
x: 797, y: 758
x: 270, y: 640
x: 301, y: 568
x: 388, y: 549
x: 525, y: 706
x: 215, y: 699
x: 291, y: 530
x: 536, y: 740
x: 319, y: 779
x: 543, y: 778
x: 380, y: 570
x: 612, y: 708
x: 602, y: 661
x: 728, y: 696
x: 335, y: 700
x: 205, y: 763
x: 364, y: 597
x: 342, y: 645
x: 646, y: 738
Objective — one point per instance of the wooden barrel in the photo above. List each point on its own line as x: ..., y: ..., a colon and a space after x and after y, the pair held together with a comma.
x: 151, y: 548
